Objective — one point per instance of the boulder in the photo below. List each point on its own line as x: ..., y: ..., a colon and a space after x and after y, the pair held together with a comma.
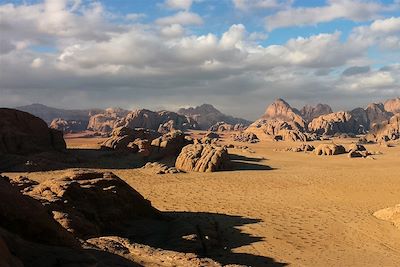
x: 89, y: 203
x: 329, y: 149
x: 169, y: 144
x: 203, y: 158
x: 159, y: 168
x: 356, y: 147
x: 301, y: 148
x: 23, y: 133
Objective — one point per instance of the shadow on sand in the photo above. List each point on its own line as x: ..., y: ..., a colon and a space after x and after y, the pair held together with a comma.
x: 241, y: 162
x: 210, y: 235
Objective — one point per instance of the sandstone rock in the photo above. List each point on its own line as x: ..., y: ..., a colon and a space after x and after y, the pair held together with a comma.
x: 68, y: 126
x: 206, y: 116
x: 212, y: 135
x: 309, y: 112
x: 104, y: 122
x: 226, y: 127
x: 203, y: 158
x: 356, y: 147
x: 160, y: 168
x: 27, y: 218
x: 329, y: 149
x: 127, y: 139
x: 393, y: 105
x: 170, y: 144
x: 281, y: 121
x: 163, y: 121
x: 339, y: 122
x: 23, y: 133
x: 301, y: 148
x: 89, y: 203
x: 246, y: 137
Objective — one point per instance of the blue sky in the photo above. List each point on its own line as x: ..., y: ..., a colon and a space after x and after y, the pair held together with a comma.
x: 83, y: 53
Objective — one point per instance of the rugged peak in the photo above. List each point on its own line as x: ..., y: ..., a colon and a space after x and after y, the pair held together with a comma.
x: 202, y: 109
x: 309, y: 112
x: 393, y: 105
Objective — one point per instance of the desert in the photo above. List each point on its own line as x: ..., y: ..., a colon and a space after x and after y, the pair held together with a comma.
x: 197, y: 133
x: 277, y: 192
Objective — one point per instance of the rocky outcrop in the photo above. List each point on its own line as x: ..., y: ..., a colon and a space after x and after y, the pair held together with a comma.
x: 68, y: 126
x: 104, y: 122
x: 127, y: 139
x: 203, y: 158
x: 23, y: 133
x: 170, y: 144
x: 245, y: 137
x: 389, y: 130
x: 280, y: 121
x: 27, y: 218
x: 226, y: 127
x: 339, y: 122
x: 309, y: 112
x: 329, y: 149
x: 301, y: 148
x: 206, y: 116
x: 163, y: 121
x: 393, y: 105
x: 89, y: 203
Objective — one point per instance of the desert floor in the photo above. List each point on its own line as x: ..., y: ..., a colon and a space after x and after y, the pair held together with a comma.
x: 295, y: 208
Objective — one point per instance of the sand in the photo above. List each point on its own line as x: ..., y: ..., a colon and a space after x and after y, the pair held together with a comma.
x: 295, y: 208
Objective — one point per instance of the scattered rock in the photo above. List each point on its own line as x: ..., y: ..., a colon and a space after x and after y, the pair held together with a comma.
x: 329, y: 149
x: 203, y: 158
x: 246, y: 137
x: 159, y: 168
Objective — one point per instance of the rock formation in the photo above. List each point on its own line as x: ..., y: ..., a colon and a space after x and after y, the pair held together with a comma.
x: 329, y: 149
x: 104, y: 122
x: 245, y: 137
x: 48, y: 114
x: 280, y: 121
x: 389, y: 130
x: 393, y: 105
x: 226, y: 127
x: 163, y: 121
x: 23, y: 133
x: 89, y: 203
x: 309, y: 112
x: 169, y: 144
x: 203, y: 158
x: 127, y: 139
x: 339, y: 122
x: 206, y: 116
x: 68, y: 126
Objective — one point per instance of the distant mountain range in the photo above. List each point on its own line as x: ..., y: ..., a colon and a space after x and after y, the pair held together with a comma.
x: 48, y: 114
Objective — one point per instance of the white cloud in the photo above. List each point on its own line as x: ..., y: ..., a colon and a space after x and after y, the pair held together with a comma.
x: 246, y: 5
x: 182, y: 18
x: 356, y: 10
x: 179, y: 4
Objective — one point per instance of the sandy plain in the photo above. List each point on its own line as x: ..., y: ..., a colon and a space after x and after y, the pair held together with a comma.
x: 278, y: 208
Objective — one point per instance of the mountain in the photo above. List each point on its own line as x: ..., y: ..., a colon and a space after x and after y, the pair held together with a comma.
x: 207, y: 115
x: 309, y: 112
x: 393, y: 105
x: 48, y: 114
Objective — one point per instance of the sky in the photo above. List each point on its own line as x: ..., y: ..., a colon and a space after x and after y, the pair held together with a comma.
x: 238, y: 55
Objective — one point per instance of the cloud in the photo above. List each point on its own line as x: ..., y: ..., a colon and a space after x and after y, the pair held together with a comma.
x: 179, y: 4
x: 245, y: 5
x: 182, y: 18
x: 356, y: 70
x: 356, y: 10
x: 86, y: 57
